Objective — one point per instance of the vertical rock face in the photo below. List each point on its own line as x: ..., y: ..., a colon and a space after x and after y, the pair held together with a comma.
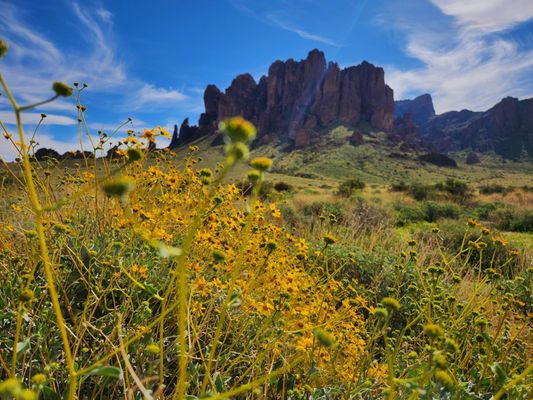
x: 186, y: 134
x: 421, y: 107
x: 208, y: 119
x: 506, y: 128
x: 510, y: 127
x: 296, y: 97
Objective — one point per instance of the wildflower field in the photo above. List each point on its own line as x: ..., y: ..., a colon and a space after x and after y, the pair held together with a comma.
x: 150, y: 275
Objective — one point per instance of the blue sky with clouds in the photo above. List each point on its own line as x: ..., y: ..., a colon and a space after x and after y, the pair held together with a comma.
x: 151, y: 60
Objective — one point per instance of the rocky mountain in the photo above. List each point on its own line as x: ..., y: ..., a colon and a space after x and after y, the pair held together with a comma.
x: 420, y: 107
x: 296, y: 98
x: 506, y: 128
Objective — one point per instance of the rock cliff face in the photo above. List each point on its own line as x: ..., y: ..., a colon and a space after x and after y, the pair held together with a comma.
x: 420, y: 107
x: 506, y: 128
x: 297, y: 97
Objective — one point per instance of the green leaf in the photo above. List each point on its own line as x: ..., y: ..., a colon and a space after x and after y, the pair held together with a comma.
x: 23, y: 347
x: 499, y: 373
x: 49, y: 394
x: 219, y: 385
x: 106, y: 370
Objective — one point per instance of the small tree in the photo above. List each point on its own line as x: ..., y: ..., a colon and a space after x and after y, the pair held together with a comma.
x: 348, y: 187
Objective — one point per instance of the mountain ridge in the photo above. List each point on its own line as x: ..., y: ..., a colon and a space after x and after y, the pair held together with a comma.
x: 295, y: 98
x: 506, y: 128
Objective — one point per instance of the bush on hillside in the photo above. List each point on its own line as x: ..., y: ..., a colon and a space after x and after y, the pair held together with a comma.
x: 350, y: 186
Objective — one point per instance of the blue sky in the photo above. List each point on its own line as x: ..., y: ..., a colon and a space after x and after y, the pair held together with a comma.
x: 151, y: 60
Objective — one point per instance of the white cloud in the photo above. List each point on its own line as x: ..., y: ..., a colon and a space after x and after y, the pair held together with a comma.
x: 8, y: 152
x: 487, y: 15
x: 478, y: 66
x: 104, y: 14
x: 8, y: 117
x: 149, y: 94
x: 35, y: 61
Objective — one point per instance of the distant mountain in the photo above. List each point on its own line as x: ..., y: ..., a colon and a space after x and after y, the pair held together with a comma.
x: 506, y: 128
x: 296, y: 98
x: 420, y: 107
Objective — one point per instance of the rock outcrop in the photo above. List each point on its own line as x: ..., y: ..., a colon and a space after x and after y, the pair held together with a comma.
x: 441, y: 160
x: 506, y: 128
x: 472, y: 158
x: 356, y: 139
x: 297, y: 97
x: 420, y: 107
x: 406, y: 128
x: 44, y: 153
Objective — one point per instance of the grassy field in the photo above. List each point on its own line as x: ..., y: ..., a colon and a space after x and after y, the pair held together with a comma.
x: 213, y: 273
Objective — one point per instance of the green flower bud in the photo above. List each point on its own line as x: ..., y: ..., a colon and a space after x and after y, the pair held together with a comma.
x: 236, y: 152
x: 390, y: 304
x: 444, y: 378
x: 238, y: 129
x: 38, y: 379
x: 219, y: 256
x: 3, y: 48
x: 134, y: 154
x: 62, y: 89
x: 433, y: 330
x: 381, y: 313
x: 271, y: 246
x: 119, y: 186
x: 254, y: 176
x: 26, y: 295
x: 152, y: 348
x: 324, y: 337
x: 261, y: 163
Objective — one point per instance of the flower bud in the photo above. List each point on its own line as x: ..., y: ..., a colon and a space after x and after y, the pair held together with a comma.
x: 261, y: 163
x: 324, y: 337
x: 134, y: 154
x: 119, y: 186
x: 254, y: 176
x: 3, y: 48
x: 238, y: 129
x: 62, y: 89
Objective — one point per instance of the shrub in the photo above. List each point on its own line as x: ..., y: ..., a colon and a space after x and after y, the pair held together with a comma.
x: 350, y: 186
x: 483, y: 211
x: 429, y: 211
x: 434, y: 211
x: 407, y: 214
x: 495, y: 188
x: 509, y: 219
x: 419, y: 191
x: 455, y: 187
x: 399, y: 187
x: 283, y: 187
x: 441, y: 160
x: 324, y: 208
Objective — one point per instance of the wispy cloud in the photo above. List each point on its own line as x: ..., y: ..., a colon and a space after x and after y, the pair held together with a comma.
x: 487, y: 15
x: 478, y: 65
x: 283, y: 16
x: 8, y: 152
x: 276, y: 20
x: 31, y: 118
x: 149, y: 94
x: 35, y: 61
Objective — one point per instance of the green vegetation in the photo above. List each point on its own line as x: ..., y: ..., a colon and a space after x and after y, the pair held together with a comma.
x: 168, y: 275
x: 350, y: 186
